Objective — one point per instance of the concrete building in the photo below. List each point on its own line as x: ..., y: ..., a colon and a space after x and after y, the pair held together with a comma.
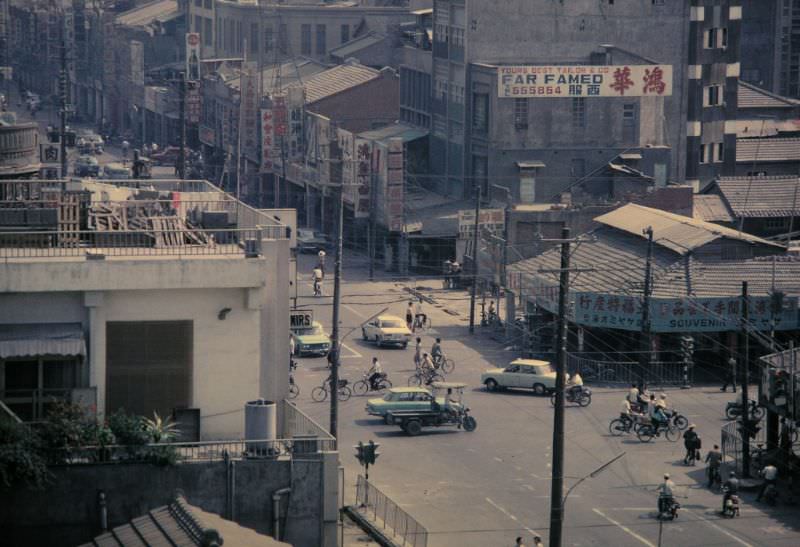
x: 164, y: 299
x: 771, y: 45
x: 19, y: 148
x: 537, y: 146
x: 275, y: 31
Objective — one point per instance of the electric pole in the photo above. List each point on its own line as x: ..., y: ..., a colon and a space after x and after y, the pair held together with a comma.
x: 646, y: 343
x: 63, y: 85
x: 744, y: 372
x: 557, y: 488
x: 336, y: 165
x: 371, y: 243
x: 182, y: 123
x: 478, y: 195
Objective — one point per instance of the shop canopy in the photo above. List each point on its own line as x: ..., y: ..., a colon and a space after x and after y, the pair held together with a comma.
x: 35, y: 340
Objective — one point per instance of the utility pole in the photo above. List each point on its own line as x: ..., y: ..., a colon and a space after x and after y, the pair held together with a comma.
x: 371, y: 243
x: 337, y: 293
x: 744, y: 373
x: 182, y: 123
x: 63, y: 84
x: 478, y: 195
x: 646, y: 342
x: 557, y: 488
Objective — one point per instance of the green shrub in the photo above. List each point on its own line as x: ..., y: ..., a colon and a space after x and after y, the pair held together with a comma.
x: 21, y: 456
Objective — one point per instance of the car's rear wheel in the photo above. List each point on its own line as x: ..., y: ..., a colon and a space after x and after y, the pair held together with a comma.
x: 491, y: 385
x: 413, y: 428
x: 539, y: 389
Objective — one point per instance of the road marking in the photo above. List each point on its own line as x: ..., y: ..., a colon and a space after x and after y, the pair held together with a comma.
x: 623, y: 528
x: 720, y: 529
x: 354, y: 352
x: 512, y: 517
x: 355, y: 311
x: 498, y: 459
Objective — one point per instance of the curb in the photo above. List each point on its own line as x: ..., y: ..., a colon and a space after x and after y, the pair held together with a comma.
x: 368, y: 527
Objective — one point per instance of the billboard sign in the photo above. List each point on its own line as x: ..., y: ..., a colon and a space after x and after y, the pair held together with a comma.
x: 555, y: 82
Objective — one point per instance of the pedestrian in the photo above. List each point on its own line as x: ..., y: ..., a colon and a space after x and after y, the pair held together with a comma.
x: 770, y: 474
x: 537, y: 541
x: 519, y: 542
x: 291, y: 346
x: 448, y: 269
x: 691, y: 442
x: 730, y: 376
x: 410, y: 316
x: 714, y: 460
x: 418, y: 353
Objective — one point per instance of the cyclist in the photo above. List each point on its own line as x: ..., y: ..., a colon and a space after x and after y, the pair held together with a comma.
x: 418, y: 353
x: 436, y: 351
x: 419, y: 317
x: 375, y: 373
x: 426, y: 366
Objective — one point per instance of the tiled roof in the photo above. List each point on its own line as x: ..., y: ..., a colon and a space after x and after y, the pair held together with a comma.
x: 751, y: 96
x: 761, y: 196
x: 147, y: 13
x: 765, y: 150
x: 335, y: 80
x: 676, y: 232
x: 711, y: 208
x: 358, y: 44
x: 180, y: 525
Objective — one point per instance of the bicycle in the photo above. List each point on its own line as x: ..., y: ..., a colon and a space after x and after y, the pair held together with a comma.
x: 422, y: 323
x: 621, y: 426
x: 363, y: 386
x: 648, y: 431
x: 294, y: 390
x: 320, y: 393
x: 446, y: 364
x: 422, y: 377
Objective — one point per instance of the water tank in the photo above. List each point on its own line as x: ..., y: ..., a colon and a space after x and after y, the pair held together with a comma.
x: 260, y: 423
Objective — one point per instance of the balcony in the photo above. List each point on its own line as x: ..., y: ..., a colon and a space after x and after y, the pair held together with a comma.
x: 32, y: 405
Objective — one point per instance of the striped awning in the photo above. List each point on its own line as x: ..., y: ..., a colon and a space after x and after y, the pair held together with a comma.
x: 41, y: 339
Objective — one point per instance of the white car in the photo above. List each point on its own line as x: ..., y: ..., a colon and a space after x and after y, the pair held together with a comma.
x: 540, y: 376
x: 387, y: 330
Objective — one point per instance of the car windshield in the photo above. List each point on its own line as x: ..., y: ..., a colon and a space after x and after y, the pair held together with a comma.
x: 392, y: 324
x: 316, y: 329
x: 389, y: 397
x: 545, y: 369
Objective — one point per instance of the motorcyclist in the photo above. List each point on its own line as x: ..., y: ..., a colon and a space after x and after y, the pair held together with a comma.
x: 375, y: 373
x: 575, y: 385
x: 770, y: 474
x: 436, y: 351
x: 666, y: 494
x: 714, y: 460
x: 731, y: 488
x: 317, y: 275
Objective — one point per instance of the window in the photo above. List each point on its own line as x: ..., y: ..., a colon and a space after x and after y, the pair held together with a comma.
x: 305, y: 39
x: 480, y: 112
x: 344, y: 34
x: 578, y: 112
x: 629, y: 122
x: 712, y: 95
x: 253, y: 38
x: 704, y: 149
x: 207, y: 4
x: 322, y: 46
x: 268, y: 40
x: 198, y: 23
x: 719, y: 152
x: 722, y: 38
x: 208, y: 32
x: 521, y: 114
x: 778, y: 223
x: 710, y: 38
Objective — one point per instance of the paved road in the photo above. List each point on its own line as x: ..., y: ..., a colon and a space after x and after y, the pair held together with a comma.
x: 485, y: 488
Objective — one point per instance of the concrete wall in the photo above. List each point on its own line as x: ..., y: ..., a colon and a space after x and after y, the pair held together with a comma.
x: 760, y: 42
x: 365, y: 107
x: 66, y: 513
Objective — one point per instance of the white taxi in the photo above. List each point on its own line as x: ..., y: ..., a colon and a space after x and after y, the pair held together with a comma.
x: 387, y: 330
x: 540, y: 376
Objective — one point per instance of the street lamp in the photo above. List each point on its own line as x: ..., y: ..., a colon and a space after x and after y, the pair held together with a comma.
x: 591, y: 475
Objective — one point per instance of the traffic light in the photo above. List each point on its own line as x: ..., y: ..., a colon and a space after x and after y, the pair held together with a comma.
x: 372, y: 452
x: 361, y: 453
x: 687, y: 347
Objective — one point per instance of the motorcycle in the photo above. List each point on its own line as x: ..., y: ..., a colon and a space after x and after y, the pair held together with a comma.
x: 770, y: 495
x: 734, y: 409
x: 730, y: 504
x: 668, y: 508
x: 582, y: 397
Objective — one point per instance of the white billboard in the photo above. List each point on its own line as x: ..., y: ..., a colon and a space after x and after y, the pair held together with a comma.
x: 555, y: 82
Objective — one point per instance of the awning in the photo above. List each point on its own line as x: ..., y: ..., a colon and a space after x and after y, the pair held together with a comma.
x: 41, y: 339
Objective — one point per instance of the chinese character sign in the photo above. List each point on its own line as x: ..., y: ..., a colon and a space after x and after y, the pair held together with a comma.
x: 266, y: 140
x: 395, y: 186
x: 249, y: 113
x: 363, y: 172
x: 584, y: 81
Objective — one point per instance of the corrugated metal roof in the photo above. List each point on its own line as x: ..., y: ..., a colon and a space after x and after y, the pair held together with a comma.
x: 678, y: 233
x: 292, y: 73
x: 160, y: 10
x: 358, y: 44
x: 751, y: 96
x: 335, y: 80
x: 711, y: 208
x: 395, y: 130
x: 761, y: 197
x: 41, y: 339
x: 764, y: 150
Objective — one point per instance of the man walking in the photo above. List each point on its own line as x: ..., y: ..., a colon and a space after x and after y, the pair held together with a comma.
x: 730, y: 376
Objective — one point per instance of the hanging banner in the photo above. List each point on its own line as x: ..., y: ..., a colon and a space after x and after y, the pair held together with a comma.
x: 395, y: 188
x: 346, y: 145
x: 192, y: 57
x: 266, y: 140
x: 584, y: 81
x: 363, y: 168
x: 280, y: 128
x: 249, y: 112
x: 193, y: 102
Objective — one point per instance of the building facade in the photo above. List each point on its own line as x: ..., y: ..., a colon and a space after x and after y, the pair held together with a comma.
x: 771, y: 45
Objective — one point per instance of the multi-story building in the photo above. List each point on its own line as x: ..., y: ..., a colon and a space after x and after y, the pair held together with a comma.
x: 19, y: 148
x: 482, y: 132
x: 771, y: 45
x: 275, y: 31
x: 166, y: 299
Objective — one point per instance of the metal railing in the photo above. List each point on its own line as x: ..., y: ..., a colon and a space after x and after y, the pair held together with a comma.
x: 190, y: 452
x: 732, y: 445
x: 298, y: 424
x: 380, y: 508
x: 128, y: 243
x: 31, y: 405
x: 654, y: 373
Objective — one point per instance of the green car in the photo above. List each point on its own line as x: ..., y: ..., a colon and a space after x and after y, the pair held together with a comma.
x: 311, y: 340
x: 402, y: 398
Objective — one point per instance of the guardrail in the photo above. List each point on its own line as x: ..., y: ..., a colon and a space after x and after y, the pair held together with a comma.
x: 380, y: 509
x: 732, y: 445
x: 204, y: 451
x: 164, y: 242
x: 626, y: 373
x: 298, y: 424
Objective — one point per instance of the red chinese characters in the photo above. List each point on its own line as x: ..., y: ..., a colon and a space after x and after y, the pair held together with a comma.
x: 622, y: 80
x: 654, y: 81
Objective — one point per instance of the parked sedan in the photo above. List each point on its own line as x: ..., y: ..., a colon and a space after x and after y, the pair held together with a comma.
x: 311, y: 340
x: 387, y: 330
x: 310, y: 241
x: 521, y: 373
x: 86, y: 166
x: 402, y: 398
